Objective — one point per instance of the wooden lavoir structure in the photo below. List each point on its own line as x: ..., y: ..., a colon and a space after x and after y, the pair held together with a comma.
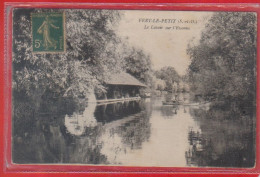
x: 121, y: 87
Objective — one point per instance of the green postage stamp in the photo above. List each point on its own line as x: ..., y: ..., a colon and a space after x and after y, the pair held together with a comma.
x: 48, y: 32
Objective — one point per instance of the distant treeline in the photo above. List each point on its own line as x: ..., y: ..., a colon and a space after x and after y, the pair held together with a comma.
x: 167, y: 79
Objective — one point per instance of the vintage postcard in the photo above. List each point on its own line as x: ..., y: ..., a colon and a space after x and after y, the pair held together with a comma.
x: 134, y: 88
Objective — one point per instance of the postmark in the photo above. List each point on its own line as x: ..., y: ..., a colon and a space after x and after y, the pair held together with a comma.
x: 48, y: 32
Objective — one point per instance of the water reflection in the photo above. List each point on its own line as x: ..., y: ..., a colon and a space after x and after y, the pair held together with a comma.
x: 226, y: 142
x: 77, y: 122
x: 136, y: 133
x: 110, y: 112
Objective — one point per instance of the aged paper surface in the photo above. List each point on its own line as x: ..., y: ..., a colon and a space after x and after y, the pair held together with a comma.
x: 134, y: 88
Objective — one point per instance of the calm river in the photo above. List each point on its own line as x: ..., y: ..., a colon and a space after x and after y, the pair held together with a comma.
x: 137, y: 133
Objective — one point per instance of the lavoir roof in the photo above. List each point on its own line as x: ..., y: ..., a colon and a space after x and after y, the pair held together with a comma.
x: 123, y: 79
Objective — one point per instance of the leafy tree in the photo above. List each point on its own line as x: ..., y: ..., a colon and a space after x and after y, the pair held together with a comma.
x: 223, y: 64
x: 169, y: 75
x: 91, y: 42
x: 160, y: 84
x: 138, y: 64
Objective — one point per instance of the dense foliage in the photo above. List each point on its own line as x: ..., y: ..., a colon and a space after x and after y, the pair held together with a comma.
x: 93, y: 52
x: 139, y: 65
x: 170, y: 76
x: 223, y: 64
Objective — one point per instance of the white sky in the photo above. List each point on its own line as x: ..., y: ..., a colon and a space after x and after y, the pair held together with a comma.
x: 166, y: 47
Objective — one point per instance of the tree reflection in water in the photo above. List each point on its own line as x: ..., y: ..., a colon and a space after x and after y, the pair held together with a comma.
x: 222, y: 141
x: 169, y: 111
x: 132, y: 133
x: 83, y: 136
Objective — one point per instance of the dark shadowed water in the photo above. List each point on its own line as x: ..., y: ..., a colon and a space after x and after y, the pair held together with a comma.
x: 136, y: 133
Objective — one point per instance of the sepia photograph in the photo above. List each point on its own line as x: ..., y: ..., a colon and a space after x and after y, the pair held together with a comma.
x: 139, y: 88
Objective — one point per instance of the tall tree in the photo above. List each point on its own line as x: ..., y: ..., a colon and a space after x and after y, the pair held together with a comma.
x: 138, y: 64
x: 90, y: 40
x: 223, y: 64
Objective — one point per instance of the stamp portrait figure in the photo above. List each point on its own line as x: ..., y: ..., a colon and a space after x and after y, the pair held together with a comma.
x: 44, y: 29
x: 48, y: 32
